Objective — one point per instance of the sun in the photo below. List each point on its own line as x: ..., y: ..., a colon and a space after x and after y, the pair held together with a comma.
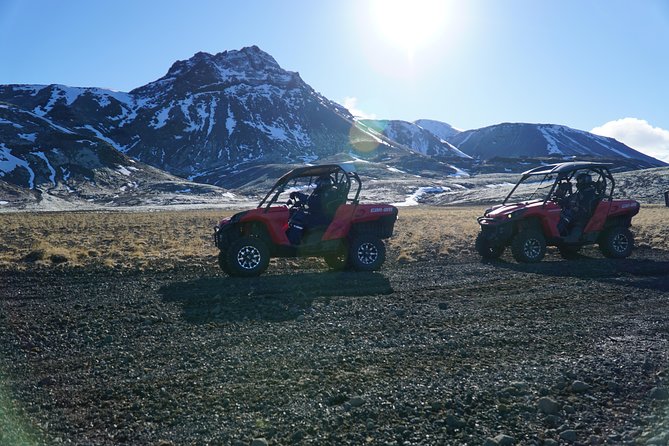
x: 409, y: 24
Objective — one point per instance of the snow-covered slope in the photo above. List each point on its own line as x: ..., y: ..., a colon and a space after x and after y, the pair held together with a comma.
x: 212, y: 116
x: 43, y: 157
x: 415, y: 138
x: 521, y: 140
x: 439, y: 129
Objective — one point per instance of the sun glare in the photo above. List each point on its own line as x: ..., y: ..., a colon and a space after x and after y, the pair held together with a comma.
x: 409, y: 24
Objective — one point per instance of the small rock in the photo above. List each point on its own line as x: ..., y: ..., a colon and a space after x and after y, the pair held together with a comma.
x: 505, y: 440
x: 659, y: 393
x: 658, y: 440
x: 297, y: 436
x: 579, y: 386
x: 569, y: 435
x: 454, y: 422
x: 548, y: 406
x: 550, y: 442
x: 47, y: 381
x: 356, y: 401
x: 259, y: 442
x: 594, y: 440
x: 443, y: 306
x: 490, y: 442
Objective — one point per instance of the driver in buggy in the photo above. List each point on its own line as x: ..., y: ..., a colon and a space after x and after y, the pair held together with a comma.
x: 577, y: 208
x: 308, y: 211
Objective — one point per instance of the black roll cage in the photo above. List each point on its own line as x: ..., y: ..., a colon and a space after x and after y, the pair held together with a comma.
x: 339, y: 175
x: 567, y: 171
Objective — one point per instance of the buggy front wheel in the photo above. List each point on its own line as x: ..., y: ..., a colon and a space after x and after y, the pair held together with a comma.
x: 247, y: 257
x: 528, y: 246
x: 366, y: 253
x: 486, y: 249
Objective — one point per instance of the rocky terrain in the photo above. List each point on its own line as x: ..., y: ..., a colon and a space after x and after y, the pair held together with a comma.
x: 441, y: 351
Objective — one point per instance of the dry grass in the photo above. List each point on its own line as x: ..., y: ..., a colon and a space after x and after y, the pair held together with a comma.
x: 166, y: 238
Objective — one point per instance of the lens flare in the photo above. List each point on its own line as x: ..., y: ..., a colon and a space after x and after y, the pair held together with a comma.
x: 364, y: 137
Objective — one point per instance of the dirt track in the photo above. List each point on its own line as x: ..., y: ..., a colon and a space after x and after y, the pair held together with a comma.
x: 451, y: 351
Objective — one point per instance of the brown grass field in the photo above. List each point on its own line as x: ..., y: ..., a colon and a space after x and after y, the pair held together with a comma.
x: 163, y: 239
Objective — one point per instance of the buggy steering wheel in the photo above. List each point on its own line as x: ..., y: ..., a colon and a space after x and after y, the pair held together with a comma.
x: 294, y: 201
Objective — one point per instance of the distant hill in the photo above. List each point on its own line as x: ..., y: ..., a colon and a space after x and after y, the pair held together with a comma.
x: 439, y: 129
x: 416, y: 138
x: 547, y: 141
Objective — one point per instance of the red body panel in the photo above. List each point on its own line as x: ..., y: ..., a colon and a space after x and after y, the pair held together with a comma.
x: 549, y: 214
x: 275, y: 219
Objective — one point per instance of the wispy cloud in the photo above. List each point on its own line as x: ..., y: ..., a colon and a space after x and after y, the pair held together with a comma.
x: 639, y: 135
x: 351, y: 103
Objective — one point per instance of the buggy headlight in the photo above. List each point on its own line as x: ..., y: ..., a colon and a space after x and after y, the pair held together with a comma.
x: 515, y: 214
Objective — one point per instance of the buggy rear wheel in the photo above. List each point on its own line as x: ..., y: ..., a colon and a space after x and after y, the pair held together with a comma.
x: 366, y: 253
x: 486, y: 249
x: 617, y: 243
x: 528, y: 246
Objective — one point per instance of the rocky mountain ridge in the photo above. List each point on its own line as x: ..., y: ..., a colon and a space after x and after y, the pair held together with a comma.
x: 235, y: 119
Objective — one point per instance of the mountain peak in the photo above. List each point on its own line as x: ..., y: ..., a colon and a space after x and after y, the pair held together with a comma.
x: 249, y: 65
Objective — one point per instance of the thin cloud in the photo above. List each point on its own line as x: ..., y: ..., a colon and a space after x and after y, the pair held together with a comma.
x: 351, y: 103
x: 639, y: 135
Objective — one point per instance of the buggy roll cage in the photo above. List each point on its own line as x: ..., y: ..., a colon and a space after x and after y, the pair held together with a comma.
x: 342, y: 176
x: 566, y: 171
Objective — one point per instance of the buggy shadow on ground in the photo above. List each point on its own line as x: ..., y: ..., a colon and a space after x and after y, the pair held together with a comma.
x: 268, y: 298
x: 644, y: 270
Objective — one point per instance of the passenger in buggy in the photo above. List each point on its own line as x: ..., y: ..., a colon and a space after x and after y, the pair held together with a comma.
x: 309, y: 211
x: 577, y: 208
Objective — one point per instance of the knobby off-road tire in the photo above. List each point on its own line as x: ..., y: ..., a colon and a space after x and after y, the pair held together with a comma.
x: 617, y: 243
x: 247, y: 257
x: 337, y: 260
x: 366, y: 253
x: 486, y: 250
x: 528, y: 246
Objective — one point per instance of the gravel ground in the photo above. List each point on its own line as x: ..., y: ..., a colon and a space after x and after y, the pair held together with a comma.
x: 451, y: 351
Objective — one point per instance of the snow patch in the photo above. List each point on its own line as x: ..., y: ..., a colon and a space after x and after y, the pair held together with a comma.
x: 230, y: 122
x: 122, y: 170
x: 13, y: 124
x: 109, y: 141
x: 52, y: 171
x: 9, y: 162
x: 160, y: 119
x: 414, y: 199
x: 28, y: 136
x: 551, y: 142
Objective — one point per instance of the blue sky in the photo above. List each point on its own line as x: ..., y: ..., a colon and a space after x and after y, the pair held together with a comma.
x: 589, y: 64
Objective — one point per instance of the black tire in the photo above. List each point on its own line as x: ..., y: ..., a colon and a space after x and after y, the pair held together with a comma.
x: 486, y: 250
x: 569, y: 252
x: 528, y: 246
x: 337, y: 260
x: 366, y: 253
x: 247, y: 257
x: 617, y: 242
